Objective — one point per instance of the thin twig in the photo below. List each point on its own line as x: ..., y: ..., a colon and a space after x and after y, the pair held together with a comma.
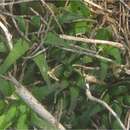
x: 88, y: 54
x: 93, y: 41
x: 97, y: 6
x: 8, y: 35
x: 92, y: 98
x: 51, y: 11
x: 16, y: 2
x: 34, y: 103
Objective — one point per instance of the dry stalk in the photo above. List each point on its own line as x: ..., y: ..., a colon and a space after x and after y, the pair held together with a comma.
x: 33, y: 103
x: 92, y: 41
x: 7, y: 34
x: 51, y: 11
x: 15, y: 2
x: 92, y: 98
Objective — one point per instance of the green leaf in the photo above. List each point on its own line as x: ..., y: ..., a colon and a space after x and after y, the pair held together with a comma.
x: 103, y: 34
x: 68, y: 17
x: 2, y: 118
x: 11, y: 113
x: 22, y: 122
x: 41, y: 124
x: 8, y: 117
x: 78, y: 6
x: 80, y: 27
x: 22, y: 108
x: 86, y: 59
x: 21, y: 24
x: 41, y: 62
x: 116, y: 54
x: 19, y: 49
x: 5, y: 87
x: 54, y: 40
x: 36, y: 21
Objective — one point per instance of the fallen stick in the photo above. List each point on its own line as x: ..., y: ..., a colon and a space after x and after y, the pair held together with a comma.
x: 92, y: 98
x: 92, y: 41
x: 32, y: 102
x: 7, y: 34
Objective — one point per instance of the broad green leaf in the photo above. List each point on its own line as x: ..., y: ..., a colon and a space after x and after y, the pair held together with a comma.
x: 68, y: 17
x: 22, y: 108
x: 2, y: 118
x: 8, y: 117
x: 22, y: 122
x: 19, y: 49
x: 86, y: 59
x: 41, y: 92
x: 41, y: 124
x: 41, y: 62
x: 116, y: 54
x: 11, y: 113
x: 79, y: 7
x: 103, y: 34
x: 80, y: 27
x: 21, y: 24
x: 5, y: 87
x: 54, y: 40
x: 36, y: 21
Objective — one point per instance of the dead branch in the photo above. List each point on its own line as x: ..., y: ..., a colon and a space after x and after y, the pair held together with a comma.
x: 7, y: 34
x: 34, y: 103
x: 92, y: 41
x: 92, y: 98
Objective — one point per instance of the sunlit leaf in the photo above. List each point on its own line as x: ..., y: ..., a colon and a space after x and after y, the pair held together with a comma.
x: 19, y: 49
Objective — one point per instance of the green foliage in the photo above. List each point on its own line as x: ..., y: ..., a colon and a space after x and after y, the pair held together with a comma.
x: 19, y: 49
x: 56, y: 76
x: 41, y: 62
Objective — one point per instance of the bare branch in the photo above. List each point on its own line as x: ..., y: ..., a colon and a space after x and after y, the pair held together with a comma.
x: 92, y: 41
x: 7, y: 34
x: 34, y: 103
x: 92, y: 98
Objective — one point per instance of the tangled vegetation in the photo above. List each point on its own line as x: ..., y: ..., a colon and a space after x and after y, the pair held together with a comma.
x: 70, y: 56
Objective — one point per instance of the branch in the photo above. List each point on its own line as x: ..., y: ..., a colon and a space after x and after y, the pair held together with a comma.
x: 32, y: 102
x: 92, y: 98
x: 7, y: 34
x: 92, y: 41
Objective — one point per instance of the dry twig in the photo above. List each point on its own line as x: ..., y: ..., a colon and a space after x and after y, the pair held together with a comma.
x: 92, y: 98
x: 34, y: 103
x: 93, y: 41
x: 8, y: 35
